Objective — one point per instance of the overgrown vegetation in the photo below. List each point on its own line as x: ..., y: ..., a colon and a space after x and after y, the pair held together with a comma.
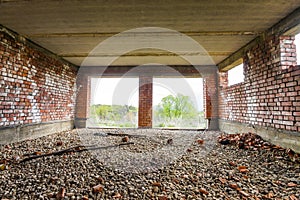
x: 178, y: 111
x: 173, y: 111
x: 113, y: 115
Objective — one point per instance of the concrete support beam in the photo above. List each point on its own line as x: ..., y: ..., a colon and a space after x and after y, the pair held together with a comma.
x: 227, y: 63
x: 288, y: 25
x: 132, y: 71
x: 110, y: 34
x: 144, y: 54
x: 32, y: 131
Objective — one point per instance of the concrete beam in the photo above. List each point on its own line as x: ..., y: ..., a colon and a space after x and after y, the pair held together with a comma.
x: 227, y: 63
x: 155, y: 70
x: 110, y: 34
x: 143, y: 54
x: 32, y: 131
x: 288, y: 25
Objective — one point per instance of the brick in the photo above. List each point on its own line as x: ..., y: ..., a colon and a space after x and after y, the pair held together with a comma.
x: 290, y: 84
x: 271, y: 84
x: 296, y: 114
x: 18, y: 72
x: 145, y: 101
x: 291, y: 94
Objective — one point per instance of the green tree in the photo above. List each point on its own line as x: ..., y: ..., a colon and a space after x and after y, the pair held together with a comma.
x: 113, y: 115
x: 174, y: 108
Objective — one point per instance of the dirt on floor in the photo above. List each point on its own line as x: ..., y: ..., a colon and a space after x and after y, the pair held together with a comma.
x: 148, y: 164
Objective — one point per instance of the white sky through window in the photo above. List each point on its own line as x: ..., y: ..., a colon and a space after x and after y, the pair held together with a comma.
x: 236, y: 75
x: 297, y: 43
x: 124, y: 91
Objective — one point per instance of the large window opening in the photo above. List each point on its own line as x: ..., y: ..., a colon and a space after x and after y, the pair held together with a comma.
x: 178, y: 103
x: 236, y: 75
x: 297, y: 43
x: 114, y: 103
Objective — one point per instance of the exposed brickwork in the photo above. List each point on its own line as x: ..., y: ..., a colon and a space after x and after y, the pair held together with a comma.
x: 223, y: 83
x: 287, y: 51
x: 210, y: 95
x: 270, y: 95
x: 34, y: 86
x: 83, y: 97
x: 145, y: 101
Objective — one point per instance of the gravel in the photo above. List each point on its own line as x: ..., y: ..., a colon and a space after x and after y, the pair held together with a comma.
x: 161, y: 164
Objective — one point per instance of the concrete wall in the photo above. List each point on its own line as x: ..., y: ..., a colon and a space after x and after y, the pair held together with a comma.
x: 36, y: 89
x: 269, y: 98
x: 35, y: 130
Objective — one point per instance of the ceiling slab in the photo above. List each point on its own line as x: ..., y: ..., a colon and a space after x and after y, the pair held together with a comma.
x: 71, y: 29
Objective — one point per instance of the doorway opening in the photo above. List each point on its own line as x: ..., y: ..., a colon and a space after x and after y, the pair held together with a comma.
x: 178, y: 103
x: 114, y: 102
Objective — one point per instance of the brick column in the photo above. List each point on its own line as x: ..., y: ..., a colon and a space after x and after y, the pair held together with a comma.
x: 145, y: 101
x: 83, y: 101
x: 211, y: 99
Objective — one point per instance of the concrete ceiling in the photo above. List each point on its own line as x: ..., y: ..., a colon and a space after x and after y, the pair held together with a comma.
x: 73, y: 28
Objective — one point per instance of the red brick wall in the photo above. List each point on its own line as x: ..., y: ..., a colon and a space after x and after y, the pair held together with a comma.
x: 270, y: 94
x: 210, y: 95
x: 34, y: 86
x: 145, y: 101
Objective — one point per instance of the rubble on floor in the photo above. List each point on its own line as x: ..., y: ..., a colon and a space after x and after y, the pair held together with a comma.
x: 214, y: 166
x: 254, y: 142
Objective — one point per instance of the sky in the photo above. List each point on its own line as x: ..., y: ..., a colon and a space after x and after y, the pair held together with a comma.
x: 297, y: 43
x: 124, y: 91
x: 236, y: 75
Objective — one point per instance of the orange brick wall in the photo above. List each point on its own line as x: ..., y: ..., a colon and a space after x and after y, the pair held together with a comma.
x: 270, y: 94
x: 35, y: 86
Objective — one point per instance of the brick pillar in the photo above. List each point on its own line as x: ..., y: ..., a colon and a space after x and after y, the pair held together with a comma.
x: 83, y: 101
x: 211, y: 99
x: 145, y: 101
x: 287, y: 51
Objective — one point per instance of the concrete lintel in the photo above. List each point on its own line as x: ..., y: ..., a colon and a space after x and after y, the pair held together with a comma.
x: 110, y: 34
x: 286, y: 139
x: 32, y: 131
x: 227, y: 63
x: 144, y: 54
x: 149, y: 70
x: 288, y: 25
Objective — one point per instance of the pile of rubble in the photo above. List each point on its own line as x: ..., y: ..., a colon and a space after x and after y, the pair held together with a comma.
x: 254, y: 142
